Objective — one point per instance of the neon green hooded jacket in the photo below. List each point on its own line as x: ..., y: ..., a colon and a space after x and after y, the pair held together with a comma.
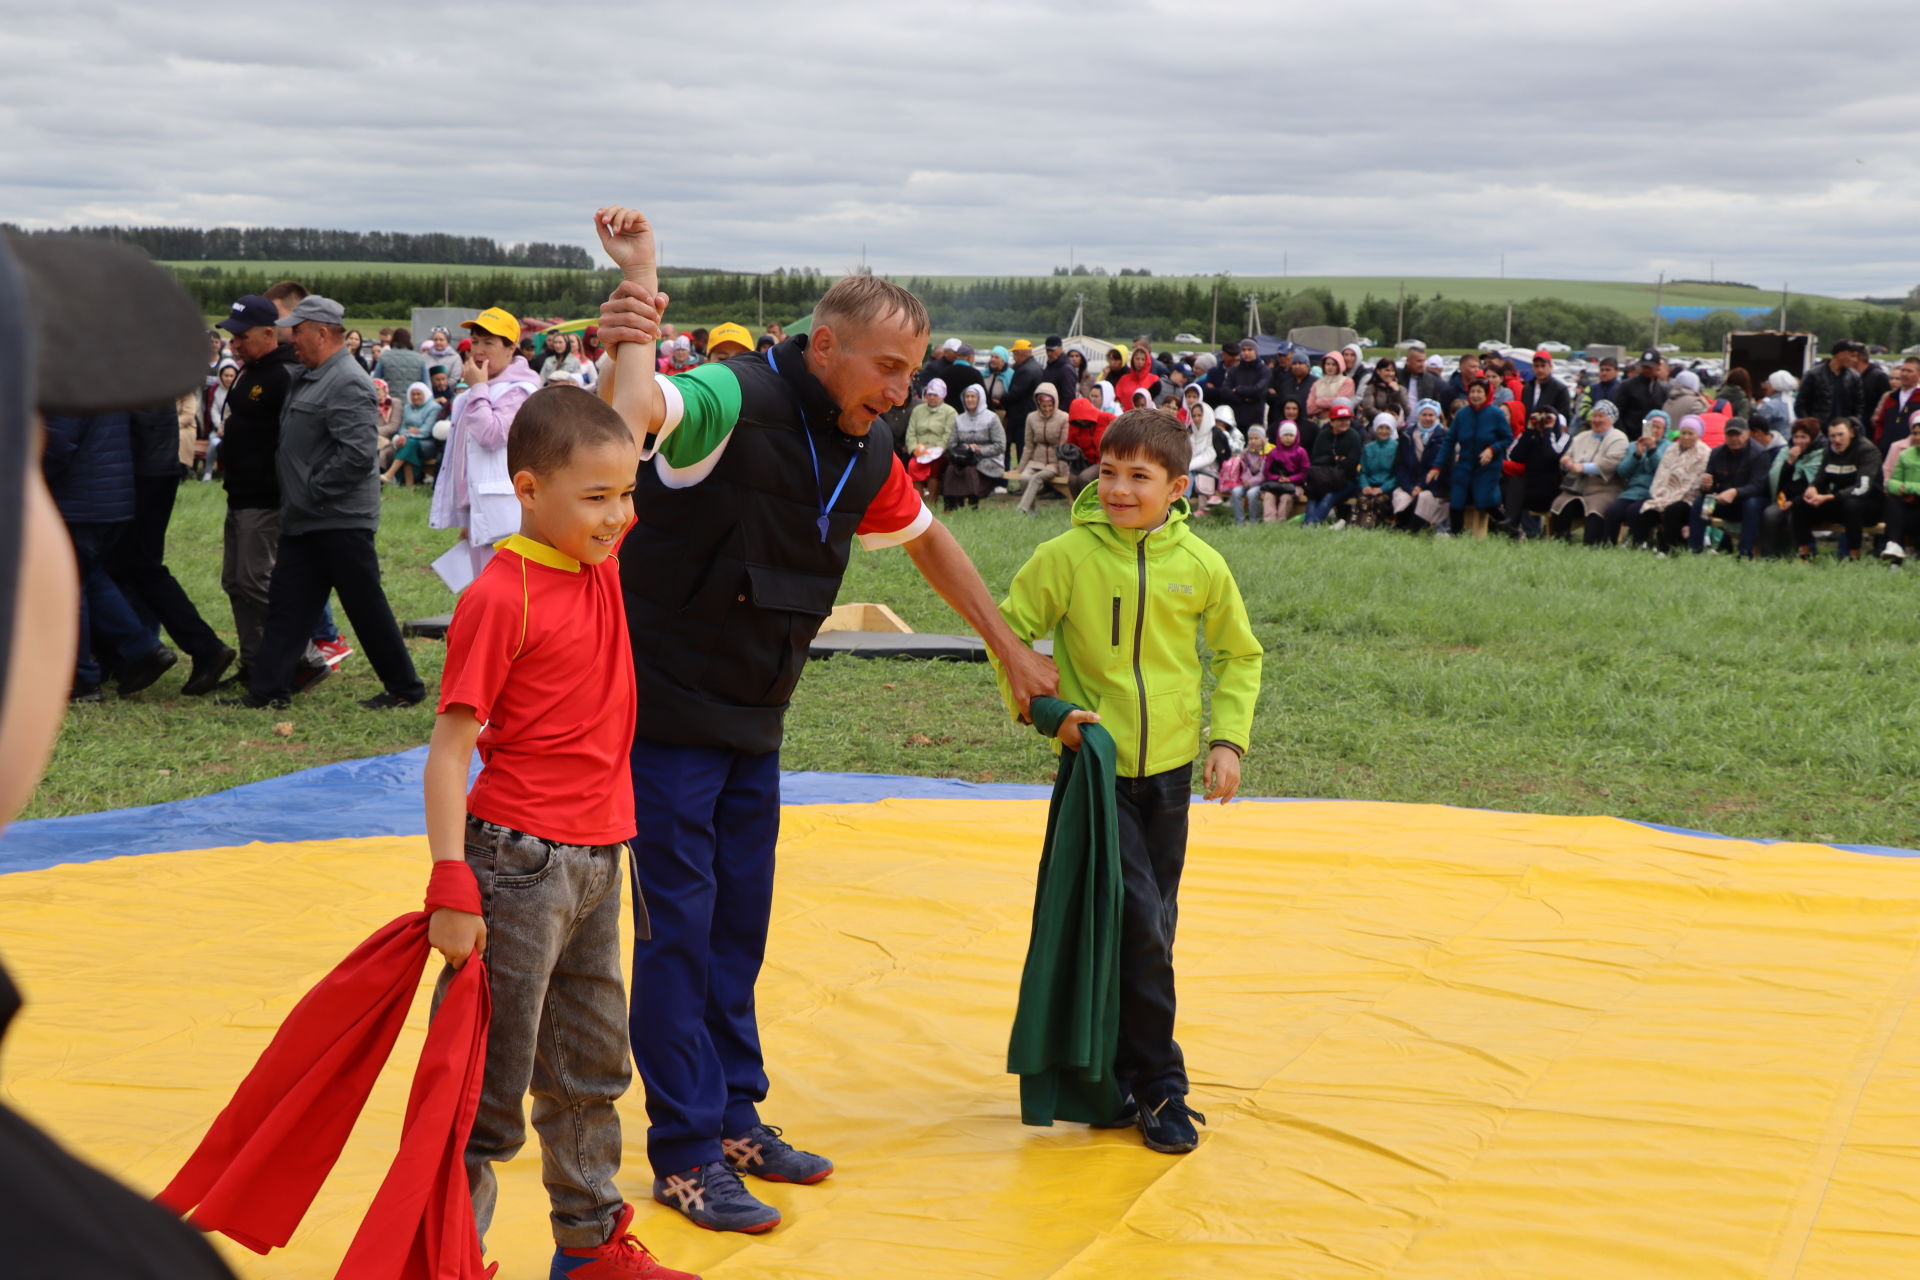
x: 1123, y: 607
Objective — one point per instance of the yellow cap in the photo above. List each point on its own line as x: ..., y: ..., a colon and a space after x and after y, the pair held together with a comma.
x: 1021, y: 344
x: 498, y: 322
x: 729, y: 332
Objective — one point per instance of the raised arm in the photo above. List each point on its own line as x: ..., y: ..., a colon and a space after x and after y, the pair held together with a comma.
x: 630, y: 322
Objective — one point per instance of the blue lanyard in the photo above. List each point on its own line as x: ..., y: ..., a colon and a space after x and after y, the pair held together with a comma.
x: 806, y: 429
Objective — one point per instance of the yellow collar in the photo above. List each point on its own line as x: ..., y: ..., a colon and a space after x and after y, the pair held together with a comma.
x: 540, y: 553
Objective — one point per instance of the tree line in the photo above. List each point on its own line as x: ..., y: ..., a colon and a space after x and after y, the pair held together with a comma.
x: 1114, y: 307
x: 315, y: 244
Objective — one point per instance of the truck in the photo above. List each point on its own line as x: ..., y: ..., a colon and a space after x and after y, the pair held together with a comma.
x: 1762, y: 353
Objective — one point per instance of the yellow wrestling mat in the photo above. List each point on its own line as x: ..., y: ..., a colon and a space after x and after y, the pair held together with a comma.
x: 1431, y: 1042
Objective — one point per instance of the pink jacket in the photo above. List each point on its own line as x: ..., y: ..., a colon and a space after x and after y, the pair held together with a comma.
x: 473, y: 469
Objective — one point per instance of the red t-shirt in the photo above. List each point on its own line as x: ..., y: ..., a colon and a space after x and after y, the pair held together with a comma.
x: 538, y: 648
x: 896, y: 514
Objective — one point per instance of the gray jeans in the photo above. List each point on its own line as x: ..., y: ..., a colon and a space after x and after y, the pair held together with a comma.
x: 559, y: 1024
x: 252, y: 539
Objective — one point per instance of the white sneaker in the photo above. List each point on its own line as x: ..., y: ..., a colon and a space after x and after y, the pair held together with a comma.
x: 1338, y: 525
x: 1893, y: 551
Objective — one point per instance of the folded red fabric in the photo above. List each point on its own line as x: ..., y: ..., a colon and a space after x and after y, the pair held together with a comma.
x: 255, y: 1174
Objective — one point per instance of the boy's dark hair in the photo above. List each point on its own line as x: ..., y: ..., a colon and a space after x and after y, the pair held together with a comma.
x: 285, y: 291
x: 1154, y: 434
x: 554, y: 422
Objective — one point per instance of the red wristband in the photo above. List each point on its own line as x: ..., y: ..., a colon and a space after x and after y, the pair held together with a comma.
x: 452, y: 885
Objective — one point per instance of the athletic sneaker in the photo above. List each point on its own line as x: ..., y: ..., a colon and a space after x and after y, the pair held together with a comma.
x: 384, y: 701
x: 307, y: 675
x: 762, y: 1152
x: 712, y: 1196
x: 334, y: 651
x: 1168, y: 1126
x: 620, y: 1258
x: 1893, y: 551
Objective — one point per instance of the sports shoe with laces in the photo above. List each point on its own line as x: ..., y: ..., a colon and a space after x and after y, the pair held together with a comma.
x: 622, y: 1257
x: 1168, y: 1126
x: 712, y: 1196
x: 762, y: 1152
x: 384, y: 701
x: 333, y: 652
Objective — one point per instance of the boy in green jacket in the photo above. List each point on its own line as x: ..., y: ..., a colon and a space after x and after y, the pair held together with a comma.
x: 1123, y: 593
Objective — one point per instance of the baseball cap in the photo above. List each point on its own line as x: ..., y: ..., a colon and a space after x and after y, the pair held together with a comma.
x: 1054, y: 343
x: 70, y: 282
x: 729, y: 332
x: 1736, y: 424
x: 1021, y: 344
x: 250, y: 312
x: 497, y: 321
x: 1227, y: 347
x: 1342, y: 411
x: 1543, y: 355
x: 951, y: 344
x: 1649, y: 357
x: 313, y: 307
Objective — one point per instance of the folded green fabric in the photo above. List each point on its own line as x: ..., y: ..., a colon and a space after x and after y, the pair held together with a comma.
x: 1067, y: 1025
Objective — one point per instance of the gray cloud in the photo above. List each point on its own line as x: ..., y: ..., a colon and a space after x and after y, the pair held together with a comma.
x: 1374, y: 139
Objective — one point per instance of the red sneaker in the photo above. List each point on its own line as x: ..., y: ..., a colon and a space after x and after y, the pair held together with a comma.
x: 622, y: 1257
x: 333, y: 652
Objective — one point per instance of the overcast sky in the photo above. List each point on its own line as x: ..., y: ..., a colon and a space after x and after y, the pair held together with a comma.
x: 1774, y: 138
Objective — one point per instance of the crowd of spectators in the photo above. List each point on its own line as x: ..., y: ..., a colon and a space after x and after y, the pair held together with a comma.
x: 1649, y: 456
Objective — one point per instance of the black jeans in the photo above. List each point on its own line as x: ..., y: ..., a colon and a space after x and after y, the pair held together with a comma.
x: 311, y: 565
x: 1848, y: 511
x: 1153, y: 850
x: 138, y: 564
x: 1671, y: 520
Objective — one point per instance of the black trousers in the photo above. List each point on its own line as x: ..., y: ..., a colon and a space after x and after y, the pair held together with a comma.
x: 1849, y: 512
x: 138, y: 565
x: 1672, y: 521
x: 1153, y: 850
x: 1903, y: 521
x: 311, y: 565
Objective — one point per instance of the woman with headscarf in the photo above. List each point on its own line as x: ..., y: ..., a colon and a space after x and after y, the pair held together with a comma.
x: 1846, y: 490
x: 927, y: 430
x: 1083, y: 376
x: 1737, y: 390
x: 1374, y: 505
x: 415, y: 437
x: 1589, y: 476
x: 1139, y: 375
x: 976, y: 453
x: 1332, y: 384
x: 1676, y: 484
x: 1416, y: 503
x: 1683, y: 397
x: 1777, y: 407
x: 1638, y: 465
x: 1242, y: 474
x: 388, y: 425
x: 1209, y: 448
x: 1104, y: 397
x: 1477, y: 441
x: 1114, y: 368
x: 1041, y: 465
x: 223, y: 376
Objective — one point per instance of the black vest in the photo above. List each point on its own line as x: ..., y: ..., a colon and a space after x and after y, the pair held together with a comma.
x: 727, y: 581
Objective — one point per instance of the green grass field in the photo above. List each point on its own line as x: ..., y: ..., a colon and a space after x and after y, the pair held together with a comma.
x: 1766, y: 700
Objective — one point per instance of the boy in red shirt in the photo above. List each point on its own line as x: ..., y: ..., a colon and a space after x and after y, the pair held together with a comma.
x: 540, y: 679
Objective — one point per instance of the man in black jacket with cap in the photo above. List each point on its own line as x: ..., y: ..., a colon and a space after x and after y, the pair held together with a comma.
x: 1060, y: 372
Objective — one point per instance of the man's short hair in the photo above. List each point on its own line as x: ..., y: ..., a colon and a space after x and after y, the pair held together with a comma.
x: 553, y: 422
x: 286, y: 291
x: 1154, y: 434
x: 1912, y: 360
x: 863, y: 300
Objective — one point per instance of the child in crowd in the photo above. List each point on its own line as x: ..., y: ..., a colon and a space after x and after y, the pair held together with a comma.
x: 1374, y: 507
x: 539, y: 677
x: 1123, y: 593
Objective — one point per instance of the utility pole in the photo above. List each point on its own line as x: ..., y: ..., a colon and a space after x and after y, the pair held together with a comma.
x: 1213, y: 326
x: 1509, y: 321
x: 1253, y: 315
x: 1400, y: 316
x: 1783, y: 306
x: 1659, y: 292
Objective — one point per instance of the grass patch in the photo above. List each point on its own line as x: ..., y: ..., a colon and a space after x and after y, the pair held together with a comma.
x: 1767, y: 700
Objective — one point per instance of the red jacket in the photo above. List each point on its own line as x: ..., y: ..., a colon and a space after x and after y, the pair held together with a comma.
x: 1085, y: 427
x: 1123, y: 389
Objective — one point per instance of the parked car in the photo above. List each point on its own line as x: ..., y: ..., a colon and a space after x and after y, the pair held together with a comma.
x: 1492, y: 344
x: 1552, y: 346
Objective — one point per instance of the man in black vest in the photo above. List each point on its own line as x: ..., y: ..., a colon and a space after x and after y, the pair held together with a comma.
x: 758, y: 473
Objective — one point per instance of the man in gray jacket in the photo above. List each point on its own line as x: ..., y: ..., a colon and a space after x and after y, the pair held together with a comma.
x: 329, y: 509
